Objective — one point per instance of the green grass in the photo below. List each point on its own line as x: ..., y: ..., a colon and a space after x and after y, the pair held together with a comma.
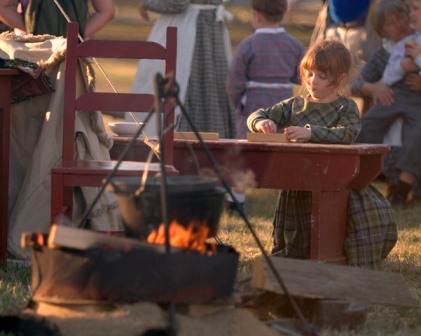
x: 404, y: 259
x: 15, y: 290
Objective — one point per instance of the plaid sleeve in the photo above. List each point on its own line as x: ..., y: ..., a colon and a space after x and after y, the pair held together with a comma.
x: 344, y: 131
x: 372, y: 70
x: 280, y: 113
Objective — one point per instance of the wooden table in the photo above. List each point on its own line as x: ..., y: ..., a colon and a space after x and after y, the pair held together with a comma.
x: 328, y: 171
x: 5, y: 94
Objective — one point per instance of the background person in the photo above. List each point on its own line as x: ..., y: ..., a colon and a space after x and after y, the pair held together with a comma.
x: 265, y: 65
x: 35, y: 139
x: 44, y: 17
x: 345, y: 20
x: 396, y: 101
x: 203, y: 54
x: 405, y: 57
x: 264, y: 68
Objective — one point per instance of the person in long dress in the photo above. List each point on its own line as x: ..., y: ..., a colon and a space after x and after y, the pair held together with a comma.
x: 49, y: 17
x: 203, y: 55
x: 36, y: 124
x: 347, y: 21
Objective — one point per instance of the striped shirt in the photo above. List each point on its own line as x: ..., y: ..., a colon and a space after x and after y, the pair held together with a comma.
x: 262, y: 72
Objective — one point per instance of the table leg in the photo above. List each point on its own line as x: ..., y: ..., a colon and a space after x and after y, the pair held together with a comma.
x: 329, y: 222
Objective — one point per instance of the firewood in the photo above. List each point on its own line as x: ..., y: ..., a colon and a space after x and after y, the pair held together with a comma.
x: 313, y: 280
x: 192, y: 135
x: 33, y: 239
x: 201, y: 310
x: 81, y: 239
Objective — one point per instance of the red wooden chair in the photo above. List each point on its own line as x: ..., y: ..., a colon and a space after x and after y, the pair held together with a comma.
x: 71, y: 172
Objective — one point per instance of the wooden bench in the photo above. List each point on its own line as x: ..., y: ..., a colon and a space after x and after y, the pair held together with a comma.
x: 328, y: 171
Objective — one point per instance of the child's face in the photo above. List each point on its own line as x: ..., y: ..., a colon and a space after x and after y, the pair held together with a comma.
x: 415, y: 14
x: 319, y: 86
x: 395, y: 26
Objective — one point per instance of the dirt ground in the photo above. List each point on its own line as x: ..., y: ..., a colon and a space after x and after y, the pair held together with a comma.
x: 137, y: 319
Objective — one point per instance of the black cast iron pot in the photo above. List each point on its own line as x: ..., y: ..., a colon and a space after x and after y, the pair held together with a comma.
x: 191, y: 199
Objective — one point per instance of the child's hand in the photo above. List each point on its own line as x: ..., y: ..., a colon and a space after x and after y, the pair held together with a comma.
x: 382, y: 94
x: 265, y: 126
x: 413, y: 81
x: 408, y: 65
x: 297, y: 133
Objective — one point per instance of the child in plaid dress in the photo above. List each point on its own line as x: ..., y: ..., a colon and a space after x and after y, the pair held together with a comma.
x: 326, y: 116
x: 265, y: 65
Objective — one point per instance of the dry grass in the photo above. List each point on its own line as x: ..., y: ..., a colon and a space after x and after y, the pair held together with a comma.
x: 404, y: 259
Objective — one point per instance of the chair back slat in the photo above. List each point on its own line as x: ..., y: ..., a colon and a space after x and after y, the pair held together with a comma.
x: 105, y: 101
x: 116, y: 102
x: 122, y: 49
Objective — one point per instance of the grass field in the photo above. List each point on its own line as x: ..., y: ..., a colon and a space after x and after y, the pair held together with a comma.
x: 405, y: 258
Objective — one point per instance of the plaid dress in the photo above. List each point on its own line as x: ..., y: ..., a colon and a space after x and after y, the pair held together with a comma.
x: 371, y: 229
x: 262, y: 73
x: 203, y: 53
x: 207, y: 100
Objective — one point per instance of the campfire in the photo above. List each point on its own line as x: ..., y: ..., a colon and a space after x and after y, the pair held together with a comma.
x: 176, y: 264
x: 152, y: 263
x: 193, y: 237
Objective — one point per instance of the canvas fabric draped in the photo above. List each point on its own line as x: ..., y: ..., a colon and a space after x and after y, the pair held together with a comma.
x: 36, y: 145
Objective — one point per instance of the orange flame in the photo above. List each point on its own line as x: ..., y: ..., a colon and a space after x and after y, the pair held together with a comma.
x: 191, y: 237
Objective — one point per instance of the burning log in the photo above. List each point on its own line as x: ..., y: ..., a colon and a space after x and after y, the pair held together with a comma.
x: 81, y: 239
x: 193, y: 237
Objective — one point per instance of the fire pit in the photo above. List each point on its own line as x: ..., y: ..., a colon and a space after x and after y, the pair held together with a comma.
x: 74, y: 266
x: 69, y: 276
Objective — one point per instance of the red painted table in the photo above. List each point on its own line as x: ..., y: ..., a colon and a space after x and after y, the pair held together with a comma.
x: 5, y: 94
x: 328, y: 171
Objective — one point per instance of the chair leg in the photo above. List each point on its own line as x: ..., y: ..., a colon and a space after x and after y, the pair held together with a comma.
x: 61, y: 198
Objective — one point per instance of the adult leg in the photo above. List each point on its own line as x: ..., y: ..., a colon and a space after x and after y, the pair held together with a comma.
x: 376, y: 122
x: 409, y: 165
